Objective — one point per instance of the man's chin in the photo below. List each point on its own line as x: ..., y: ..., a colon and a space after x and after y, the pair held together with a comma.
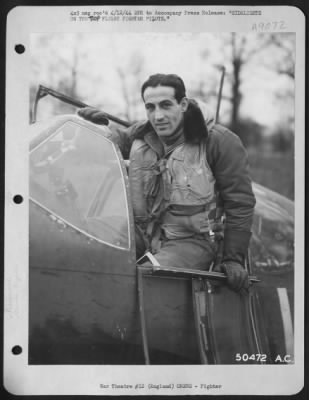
x: 163, y: 132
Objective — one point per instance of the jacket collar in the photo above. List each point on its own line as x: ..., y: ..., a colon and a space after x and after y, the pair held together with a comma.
x: 153, y: 141
x: 146, y: 131
x: 143, y: 130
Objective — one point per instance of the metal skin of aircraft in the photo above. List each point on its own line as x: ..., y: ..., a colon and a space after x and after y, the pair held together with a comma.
x: 90, y: 304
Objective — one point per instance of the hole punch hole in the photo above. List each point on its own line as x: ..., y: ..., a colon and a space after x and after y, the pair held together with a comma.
x: 20, y: 48
x: 18, y: 199
x: 16, y: 350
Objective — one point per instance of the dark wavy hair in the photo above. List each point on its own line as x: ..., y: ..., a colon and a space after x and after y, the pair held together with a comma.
x: 170, y: 80
x: 195, y: 129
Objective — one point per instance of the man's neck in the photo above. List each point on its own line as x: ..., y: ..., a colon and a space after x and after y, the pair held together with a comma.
x: 172, y: 141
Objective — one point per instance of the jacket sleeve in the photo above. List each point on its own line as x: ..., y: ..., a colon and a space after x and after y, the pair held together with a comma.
x: 124, y: 137
x: 229, y: 163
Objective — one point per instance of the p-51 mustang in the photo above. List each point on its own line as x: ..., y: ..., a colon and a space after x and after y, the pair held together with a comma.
x: 90, y: 303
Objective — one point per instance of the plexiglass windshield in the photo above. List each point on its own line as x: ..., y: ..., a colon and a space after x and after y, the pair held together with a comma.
x: 76, y: 174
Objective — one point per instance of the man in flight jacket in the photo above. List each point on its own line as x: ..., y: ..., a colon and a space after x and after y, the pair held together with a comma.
x: 187, y: 176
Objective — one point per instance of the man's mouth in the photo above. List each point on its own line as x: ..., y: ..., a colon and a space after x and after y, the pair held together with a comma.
x: 161, y: 126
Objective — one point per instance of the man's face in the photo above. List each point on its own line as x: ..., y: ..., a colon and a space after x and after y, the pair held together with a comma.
x: 163, y: 111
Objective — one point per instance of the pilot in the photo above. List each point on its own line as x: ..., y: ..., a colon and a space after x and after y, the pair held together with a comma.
x: 187, y: 175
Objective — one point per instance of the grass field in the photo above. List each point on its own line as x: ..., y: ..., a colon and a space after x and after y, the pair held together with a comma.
x: 273, y: 170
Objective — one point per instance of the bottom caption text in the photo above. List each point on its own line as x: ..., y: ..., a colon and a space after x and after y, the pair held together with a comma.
x: 157, y: 386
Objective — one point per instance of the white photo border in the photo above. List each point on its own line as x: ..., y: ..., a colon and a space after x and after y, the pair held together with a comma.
x: 20, y: 378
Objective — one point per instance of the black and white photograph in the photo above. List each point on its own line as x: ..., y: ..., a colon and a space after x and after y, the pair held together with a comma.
x: 158, y: 220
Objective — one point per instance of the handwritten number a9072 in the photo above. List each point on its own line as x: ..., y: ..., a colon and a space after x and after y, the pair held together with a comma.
x: 269, y: 26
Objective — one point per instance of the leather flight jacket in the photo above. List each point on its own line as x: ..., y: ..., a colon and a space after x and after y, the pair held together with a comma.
x: 172, y: 193
x: 228, y: 164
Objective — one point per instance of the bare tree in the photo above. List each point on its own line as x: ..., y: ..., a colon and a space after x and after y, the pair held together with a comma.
x: 241, y: 51
x: 70, y: 67
x: 130, y: 79
x: 284, y: 45
x: 242, y: 54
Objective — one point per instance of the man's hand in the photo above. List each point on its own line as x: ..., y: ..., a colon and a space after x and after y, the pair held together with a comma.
x: 93, y: 115
x: 237, y: 276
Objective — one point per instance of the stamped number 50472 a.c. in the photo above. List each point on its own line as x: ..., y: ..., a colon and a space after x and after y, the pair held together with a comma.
x: 250, y: 357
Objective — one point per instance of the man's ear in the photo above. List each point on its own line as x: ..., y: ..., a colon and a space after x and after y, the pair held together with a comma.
x: 184, y: 104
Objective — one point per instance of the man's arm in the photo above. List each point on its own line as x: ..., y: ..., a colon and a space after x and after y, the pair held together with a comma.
x: 229, y: 162
x: 122, y: 136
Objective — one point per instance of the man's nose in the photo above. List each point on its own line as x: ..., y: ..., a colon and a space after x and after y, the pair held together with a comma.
x: 158, y: 114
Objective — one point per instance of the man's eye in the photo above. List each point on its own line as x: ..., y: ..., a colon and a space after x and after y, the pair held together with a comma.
x: 166, y: 105
x: 149, y: 107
